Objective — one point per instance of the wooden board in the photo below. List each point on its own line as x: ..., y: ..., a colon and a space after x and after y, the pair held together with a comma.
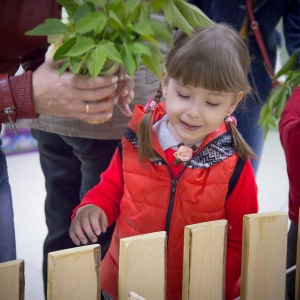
x: 264, y: 256
x: 12, y: 280
x: 74, y: 273
x: 204, y: 260
x: 142, y: 266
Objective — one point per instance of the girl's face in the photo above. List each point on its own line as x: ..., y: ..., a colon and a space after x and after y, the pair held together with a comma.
x: 195, y: 112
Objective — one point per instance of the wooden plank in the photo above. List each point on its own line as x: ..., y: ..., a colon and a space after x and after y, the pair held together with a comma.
x: 135, y: 296
x: 297, y: 283
x: 264, y: 256
x: 74, y: 273
x: 142, y: 266
x: 204, y: 260
x: 12, y: 280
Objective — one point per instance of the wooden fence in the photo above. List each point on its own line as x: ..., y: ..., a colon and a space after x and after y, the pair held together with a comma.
x: 75, y: 273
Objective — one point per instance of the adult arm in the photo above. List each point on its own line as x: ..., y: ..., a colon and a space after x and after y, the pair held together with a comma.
x: 242, y: 201
x: 289, y: 129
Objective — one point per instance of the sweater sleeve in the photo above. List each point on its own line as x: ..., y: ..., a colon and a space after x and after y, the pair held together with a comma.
x: 243, y: 200
x: 21, y: 90
x: 289, y: 129
x: 107, y: 194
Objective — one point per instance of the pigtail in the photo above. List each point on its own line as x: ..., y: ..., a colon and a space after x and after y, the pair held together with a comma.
x: 144, y: 131
x: 241, y: 146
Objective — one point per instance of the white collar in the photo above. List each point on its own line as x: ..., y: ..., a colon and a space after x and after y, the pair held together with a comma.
x: 165, y: 138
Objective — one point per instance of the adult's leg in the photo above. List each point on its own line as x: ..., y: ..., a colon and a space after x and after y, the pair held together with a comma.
x: 291, y: 261
x: 71, y: 167
x: 62, y: 174
x: 7, y: 229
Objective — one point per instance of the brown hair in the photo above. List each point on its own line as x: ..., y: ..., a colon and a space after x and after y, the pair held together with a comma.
x: 214, y: 58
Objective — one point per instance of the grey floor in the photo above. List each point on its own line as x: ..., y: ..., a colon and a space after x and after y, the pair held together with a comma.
x: 27, y: 184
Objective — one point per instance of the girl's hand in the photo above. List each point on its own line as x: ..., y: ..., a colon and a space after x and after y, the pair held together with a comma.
x: 90, y: 220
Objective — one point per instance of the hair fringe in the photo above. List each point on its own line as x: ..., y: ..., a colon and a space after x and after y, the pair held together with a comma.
x: 241, y: 146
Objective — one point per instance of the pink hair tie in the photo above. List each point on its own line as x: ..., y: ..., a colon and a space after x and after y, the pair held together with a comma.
x: 150, y: 105
x: 231, y: 119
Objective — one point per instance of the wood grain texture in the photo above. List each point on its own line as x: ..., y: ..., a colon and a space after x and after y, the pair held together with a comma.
x: 204, y: 260
x: 264, y: 256
x: 12, y: 280
x: 142, y: 266
x: 74, y: 274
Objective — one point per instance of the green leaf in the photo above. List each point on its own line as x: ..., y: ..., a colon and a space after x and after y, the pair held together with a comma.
x: 51, y: 26
x: 145, y: 12
x: 275, y: 96
x: 142, y: 28
x: 193, y: 14
x: 82, y: 45
x: 83, y: 11
x: 281, y: 104
x: 114, y: 21
x: 111, y: 52
x: 131, y: 6
x: 76, y: 63
x: 153, y: 63
x: 290, y: 64
x: 63, y: 49
x: 266, y: 130
x: 100, y: 3
x: 117, y: 6
x: 128, y: 60
x: 137, y: 59
x: 294, y: 79
x: 70, y: 5
x: 265, y: 115
x: 175, y: 18
x: 140, y: 48
x: 92, y: 22
x: 161, y: 32
x: 158, y: 5
x: 63, y: 68
x: 96, y: 60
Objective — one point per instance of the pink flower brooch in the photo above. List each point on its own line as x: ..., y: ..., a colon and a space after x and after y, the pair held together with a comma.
x: 183, y: 154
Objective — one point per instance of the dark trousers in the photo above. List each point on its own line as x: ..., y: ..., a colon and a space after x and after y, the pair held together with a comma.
x: 291, y: 261
x: 71, y: 167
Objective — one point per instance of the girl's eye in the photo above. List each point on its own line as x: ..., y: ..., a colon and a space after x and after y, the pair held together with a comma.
x: 213, y: 104
x: 182, y: 96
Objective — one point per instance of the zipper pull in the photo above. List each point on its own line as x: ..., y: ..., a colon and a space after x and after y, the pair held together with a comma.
x: 9, y: 111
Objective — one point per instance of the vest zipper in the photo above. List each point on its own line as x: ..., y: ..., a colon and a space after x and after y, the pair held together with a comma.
x: 171, y: 205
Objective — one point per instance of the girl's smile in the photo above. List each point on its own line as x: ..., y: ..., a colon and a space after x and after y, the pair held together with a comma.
x: 189, y: 127
x: 195, y: 112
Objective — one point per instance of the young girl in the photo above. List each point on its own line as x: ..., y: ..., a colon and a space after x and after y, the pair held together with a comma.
x: 177, y: 161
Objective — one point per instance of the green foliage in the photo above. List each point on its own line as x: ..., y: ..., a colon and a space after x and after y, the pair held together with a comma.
x: 279, y: 95
x: 99, y: 33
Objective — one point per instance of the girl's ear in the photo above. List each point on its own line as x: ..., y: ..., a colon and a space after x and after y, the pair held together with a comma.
x: 164, y: 83
x: 235, y: 102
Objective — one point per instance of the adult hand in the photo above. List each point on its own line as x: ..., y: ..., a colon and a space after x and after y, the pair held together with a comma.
x: 77, y: 96
x: 126, y: 94
x: 89, y: 219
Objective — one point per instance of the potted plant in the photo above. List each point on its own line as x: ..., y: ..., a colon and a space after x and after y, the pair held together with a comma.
x: 97, y: 36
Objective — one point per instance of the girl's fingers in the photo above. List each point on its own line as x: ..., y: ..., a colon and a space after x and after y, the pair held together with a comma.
x: 76, y: 233
x: 87, y: 227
